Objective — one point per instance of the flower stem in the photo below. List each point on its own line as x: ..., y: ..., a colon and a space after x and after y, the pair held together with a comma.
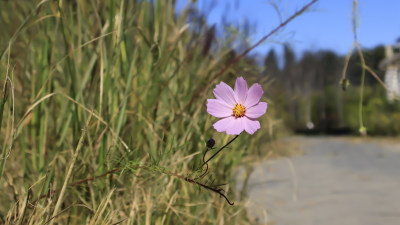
x: 220, y: 150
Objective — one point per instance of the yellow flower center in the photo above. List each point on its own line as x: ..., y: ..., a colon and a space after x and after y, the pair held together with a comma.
x: 239, y: 110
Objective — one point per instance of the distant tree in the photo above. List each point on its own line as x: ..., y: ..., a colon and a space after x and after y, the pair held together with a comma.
x: 330, y: 66
x: 307, y: 65
x: 289, y: 58
x: 289, y: 77
x: 313, y: 73
x: 271, y: 64
x: 329, y: 107
x: 307, y: 68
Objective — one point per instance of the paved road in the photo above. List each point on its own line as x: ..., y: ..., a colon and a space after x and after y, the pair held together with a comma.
x: 337, y: 181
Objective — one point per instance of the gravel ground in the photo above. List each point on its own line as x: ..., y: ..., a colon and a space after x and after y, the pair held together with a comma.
x: 336, y: 181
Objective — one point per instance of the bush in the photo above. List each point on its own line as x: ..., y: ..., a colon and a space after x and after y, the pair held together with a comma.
x: 380, y: 117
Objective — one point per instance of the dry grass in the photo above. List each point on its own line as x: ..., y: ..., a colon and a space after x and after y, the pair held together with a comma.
x: 98, y: 111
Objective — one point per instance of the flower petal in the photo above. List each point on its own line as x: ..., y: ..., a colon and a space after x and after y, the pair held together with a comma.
x: 218, y: 108
x: 225, y: 93
x: 222, y: 125
x: 241, y: 89
x: 236, y: 126
x: 256, y: 110
x: 254, y: 95
x: 232, y: 125
x: 250, y: 126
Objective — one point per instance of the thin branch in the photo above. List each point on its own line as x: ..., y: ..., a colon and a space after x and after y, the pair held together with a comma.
x: 216, y: 190
x: 213, y: 189
x: 344, y: 79
x: 208, y: 160
x: 205, y: 162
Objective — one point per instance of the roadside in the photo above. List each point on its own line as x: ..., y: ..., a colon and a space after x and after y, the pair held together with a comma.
x: 337, y: 180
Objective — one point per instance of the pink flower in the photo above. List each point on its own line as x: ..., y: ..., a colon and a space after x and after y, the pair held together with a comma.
x: 239, y: 108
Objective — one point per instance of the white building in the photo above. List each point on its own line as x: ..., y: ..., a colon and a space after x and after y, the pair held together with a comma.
x: 391, y: 64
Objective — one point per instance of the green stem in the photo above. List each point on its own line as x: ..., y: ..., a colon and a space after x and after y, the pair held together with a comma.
x: 220, y: 149
x: 361, y: 100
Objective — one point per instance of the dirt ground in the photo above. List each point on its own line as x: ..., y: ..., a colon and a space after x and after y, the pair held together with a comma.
x: 350, y: 181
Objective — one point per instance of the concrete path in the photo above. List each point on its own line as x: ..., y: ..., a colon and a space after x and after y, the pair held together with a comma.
x: 337, y: 181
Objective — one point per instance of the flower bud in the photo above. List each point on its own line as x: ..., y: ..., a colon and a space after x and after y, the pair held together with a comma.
x: 210, y: 143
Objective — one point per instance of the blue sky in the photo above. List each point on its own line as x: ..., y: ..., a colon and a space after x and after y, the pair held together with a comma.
x: 327, y: 26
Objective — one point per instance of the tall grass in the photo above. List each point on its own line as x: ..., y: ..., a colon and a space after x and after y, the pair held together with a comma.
x: 132, y: 67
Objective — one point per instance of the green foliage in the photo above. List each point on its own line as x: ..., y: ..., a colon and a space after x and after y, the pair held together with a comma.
x: 132, y: 66
x: 380, y: 116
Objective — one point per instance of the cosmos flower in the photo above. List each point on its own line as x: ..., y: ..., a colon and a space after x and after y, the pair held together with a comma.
x: 238, y: 108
